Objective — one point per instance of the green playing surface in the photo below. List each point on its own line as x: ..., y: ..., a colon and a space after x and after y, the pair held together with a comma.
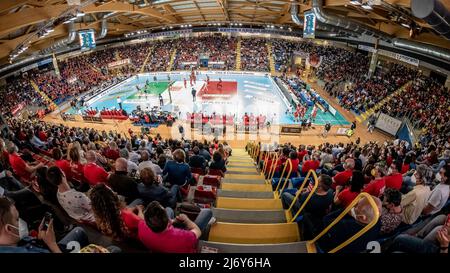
x: 153, y: 88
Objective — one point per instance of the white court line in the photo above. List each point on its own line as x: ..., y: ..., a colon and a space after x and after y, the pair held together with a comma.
x: 257, y: 83
x: 255, y: 87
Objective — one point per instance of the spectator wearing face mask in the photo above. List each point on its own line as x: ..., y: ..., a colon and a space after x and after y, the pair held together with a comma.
x: 394, y: 179
x: 376, y: 187
x: 342, y: 178
x: 14, y: 233
x: 440, y: 194
x: 391, y: 213
x: 415, y: 201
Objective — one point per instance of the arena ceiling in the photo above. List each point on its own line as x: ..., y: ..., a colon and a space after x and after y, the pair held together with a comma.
x: 21, y: 19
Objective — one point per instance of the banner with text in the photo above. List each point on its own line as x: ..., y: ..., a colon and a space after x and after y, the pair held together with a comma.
x: 388, y: 124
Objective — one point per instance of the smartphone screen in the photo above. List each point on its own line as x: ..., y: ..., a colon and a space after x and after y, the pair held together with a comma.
x: 48, y: 216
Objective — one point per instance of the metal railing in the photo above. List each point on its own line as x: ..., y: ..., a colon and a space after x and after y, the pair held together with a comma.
x: 359, y: 233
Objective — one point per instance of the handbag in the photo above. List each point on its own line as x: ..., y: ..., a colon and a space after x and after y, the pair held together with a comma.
x: 190, y: 209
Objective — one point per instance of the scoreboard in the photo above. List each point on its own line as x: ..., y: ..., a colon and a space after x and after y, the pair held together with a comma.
x: 309, y: 25
x: 87, y: 39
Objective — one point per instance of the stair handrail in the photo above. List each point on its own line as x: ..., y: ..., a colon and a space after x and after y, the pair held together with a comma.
x: 289, y: 161
x: 266, y: 159
x: 255, y: 152
x: 359, y: 233
x: 299, y: 192
x: 273, y: 168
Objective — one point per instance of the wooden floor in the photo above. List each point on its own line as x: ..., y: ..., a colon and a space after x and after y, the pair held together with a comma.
x: 309, y: 137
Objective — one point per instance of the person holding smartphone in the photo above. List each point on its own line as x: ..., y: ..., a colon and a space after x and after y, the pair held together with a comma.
x: 14, y: 236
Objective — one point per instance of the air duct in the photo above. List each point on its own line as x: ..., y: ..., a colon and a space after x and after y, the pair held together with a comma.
x: 424, y: 49
x: 434, y: 13
x: 345, y: 23
x: 327, y: 28
x: 63, y: 42
x: 421, y: 48
x: 103, y: 30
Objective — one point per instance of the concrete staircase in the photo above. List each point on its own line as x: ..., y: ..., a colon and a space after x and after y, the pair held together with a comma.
x: 172, y: 60
x: 249, y: 217
x: 238, y: 55
x: 44, y: 96
x: 150, y: 50
x: 271, y: 58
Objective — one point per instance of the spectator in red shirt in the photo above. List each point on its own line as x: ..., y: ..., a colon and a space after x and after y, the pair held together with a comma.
x: 394, y: 179
x: 61, y: 163
x: 112, y: 152
x: 93, y: 173
x: 310, y: 164
x: 23, y: 170
x: 376, y: 187
x: 342, y: 178
x: 406, y: 166
x: 113, y: 218
x: 158, y: 233
x: 301, y: 152
x: 76, y: 168
x: 344, y: 196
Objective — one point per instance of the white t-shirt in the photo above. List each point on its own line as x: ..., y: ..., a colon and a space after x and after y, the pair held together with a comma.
x: 439, y: 197
x: 76, y: 204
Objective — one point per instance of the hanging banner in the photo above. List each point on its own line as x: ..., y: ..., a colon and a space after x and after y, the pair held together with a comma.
x: 314, y: 60
x: 309, y: 25
x: 119, y: 63
x: 388, y: 124
x: 55, y: 65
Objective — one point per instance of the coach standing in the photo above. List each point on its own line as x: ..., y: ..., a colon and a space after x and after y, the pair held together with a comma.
x: 119, y: 102
x: 194, y: 93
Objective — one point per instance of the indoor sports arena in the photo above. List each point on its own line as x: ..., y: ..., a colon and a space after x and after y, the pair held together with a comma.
x: 224, y: 126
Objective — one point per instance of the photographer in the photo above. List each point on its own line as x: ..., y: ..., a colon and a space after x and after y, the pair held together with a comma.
x: 14, y: 234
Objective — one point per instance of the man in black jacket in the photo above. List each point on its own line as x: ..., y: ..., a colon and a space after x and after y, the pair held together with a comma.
x: 197, y: 161
x: 123, y: 184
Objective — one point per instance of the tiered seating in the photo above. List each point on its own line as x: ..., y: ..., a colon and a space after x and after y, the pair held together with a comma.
x: 250, y: 216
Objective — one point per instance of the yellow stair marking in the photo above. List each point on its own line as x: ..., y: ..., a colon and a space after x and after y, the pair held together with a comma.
x: 234, y: 169
x: 243, y: 176
x: 94, y: 68
x: 150, y: 50
x: 381, y: 103
x: 254, y: 233
x: 271, y: 59
x: 238, y: 55
x: 172, y: 60
x: 246, y: 203
x: 245, y: 187
x: 43, y: 95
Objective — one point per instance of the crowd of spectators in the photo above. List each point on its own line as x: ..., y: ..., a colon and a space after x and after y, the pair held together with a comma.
x: 217, y: 48
x: 411, y: 186
x: 19, y: 91
x: 120, y: 190
x: 365, y: 93
x: 254, y: 55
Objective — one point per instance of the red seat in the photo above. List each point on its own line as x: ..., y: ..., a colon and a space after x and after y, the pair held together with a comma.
x: 212, y: 180
x: 216, y: 172
x: 199, y: 171
x: 205, y: 195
